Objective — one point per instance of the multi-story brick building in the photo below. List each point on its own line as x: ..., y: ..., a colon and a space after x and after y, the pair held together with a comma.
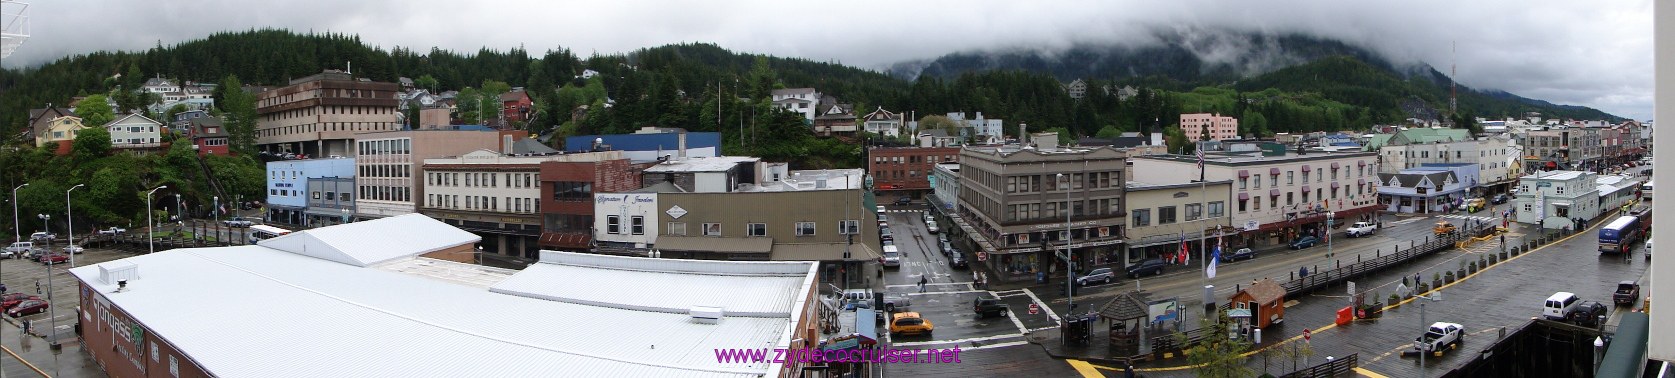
x: 319, y: 115
x: 1278, y: 195
x: 567, y: 189
x: 495, y: 196
x: 1013, y: 204
x: 906, y: 170
x: 1219, y: 127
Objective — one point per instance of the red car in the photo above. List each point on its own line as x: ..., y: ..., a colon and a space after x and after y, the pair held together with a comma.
x: 29, y: 307
x: 56, y: 258
x: 12, y: 299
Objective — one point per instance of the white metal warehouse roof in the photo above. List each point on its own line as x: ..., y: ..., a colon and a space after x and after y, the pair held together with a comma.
x: 374, y: 241
x: 751, y: 289
x: 258, y: 311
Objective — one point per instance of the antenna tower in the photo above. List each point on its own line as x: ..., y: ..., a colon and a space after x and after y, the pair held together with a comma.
x: 1453, y: 85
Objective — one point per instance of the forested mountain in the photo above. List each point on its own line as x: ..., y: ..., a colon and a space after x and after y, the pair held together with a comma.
x: 1184, y: 59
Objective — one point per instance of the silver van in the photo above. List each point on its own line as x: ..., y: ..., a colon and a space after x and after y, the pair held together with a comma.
x: 17, y: 248
x: 892, y: 256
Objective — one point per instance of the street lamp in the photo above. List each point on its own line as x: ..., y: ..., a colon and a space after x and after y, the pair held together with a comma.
x: 1423, y: 347
x: 46, y: 221
x: 71, y: 221
x: 1069, y: 260
x: 150, y: 225
x: 17, y: 232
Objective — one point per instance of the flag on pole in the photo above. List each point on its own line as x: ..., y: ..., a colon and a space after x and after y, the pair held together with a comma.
x: 1182, y: 256
x: 1200, y: 153
x: 1214, y: 259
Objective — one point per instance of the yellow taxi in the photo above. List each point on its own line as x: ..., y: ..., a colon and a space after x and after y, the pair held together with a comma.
x: 903, y: 323
x: 1443, y: 228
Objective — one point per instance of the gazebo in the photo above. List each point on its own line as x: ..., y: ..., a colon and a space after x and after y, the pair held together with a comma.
x: 1127, y: 316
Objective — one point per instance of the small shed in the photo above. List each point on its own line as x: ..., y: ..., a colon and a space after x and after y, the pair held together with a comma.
x: 1266, y: 301
x: 1127, y: 316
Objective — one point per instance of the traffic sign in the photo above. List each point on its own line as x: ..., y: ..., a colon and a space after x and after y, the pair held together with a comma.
x: 982, y: 256
x: 1351, y: 287
x: 1305, y: 334
x: 1034, y: 309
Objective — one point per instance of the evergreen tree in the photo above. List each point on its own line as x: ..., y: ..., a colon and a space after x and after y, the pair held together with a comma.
x: 94, y: 111
x: 238, y: 111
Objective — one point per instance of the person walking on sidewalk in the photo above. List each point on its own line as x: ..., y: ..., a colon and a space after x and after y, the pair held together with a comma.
x: 922, y: 282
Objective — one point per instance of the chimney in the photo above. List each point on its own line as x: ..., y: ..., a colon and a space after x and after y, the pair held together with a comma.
x: 1023, y: 133
x: 680, y: 142
x: 1045, y: 141
x: 505, y: 144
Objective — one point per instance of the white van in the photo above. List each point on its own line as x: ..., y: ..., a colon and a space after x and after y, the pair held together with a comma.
x: 1558, y: 305
x: 17, y: 248
x: 892, y: 256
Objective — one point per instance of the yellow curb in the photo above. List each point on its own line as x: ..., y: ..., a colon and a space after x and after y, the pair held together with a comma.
x: 25, y: 362
x: 1368, y: 373
x: 1085, y: 368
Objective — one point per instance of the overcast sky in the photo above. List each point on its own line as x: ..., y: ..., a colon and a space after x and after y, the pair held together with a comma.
x: 1596, y: 54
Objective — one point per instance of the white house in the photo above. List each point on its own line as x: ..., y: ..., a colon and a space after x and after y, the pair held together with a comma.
x: 160, y: 85
x: 883, y: 122
x: 1552, y: 199
x: 135, y: 131
x: 984, y: 128
x: 800, y: 100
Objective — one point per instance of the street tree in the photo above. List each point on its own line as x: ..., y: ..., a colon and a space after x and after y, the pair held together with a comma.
x: 91, y: 144
x: 238, y: 110
x: 94, y: 111
x: 427, y: 82
x: 1217, y: 356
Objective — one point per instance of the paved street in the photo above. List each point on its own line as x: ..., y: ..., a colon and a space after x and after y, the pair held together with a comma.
x: 20, y: 276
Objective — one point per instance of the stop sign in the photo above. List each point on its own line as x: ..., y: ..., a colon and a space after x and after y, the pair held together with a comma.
x: 1033, y: 309
x: 1305, y: 334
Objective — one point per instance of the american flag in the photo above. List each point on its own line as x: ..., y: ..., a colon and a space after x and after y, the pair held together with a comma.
x: 1200, y: 153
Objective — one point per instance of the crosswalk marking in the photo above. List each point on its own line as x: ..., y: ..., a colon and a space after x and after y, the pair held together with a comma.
x: 1472, y: 217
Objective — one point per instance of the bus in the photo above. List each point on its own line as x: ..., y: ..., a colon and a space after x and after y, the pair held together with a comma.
x: 262, y: 232
x: 1646, y: 191
x: 1644, y: 212
x: 1619, y: 236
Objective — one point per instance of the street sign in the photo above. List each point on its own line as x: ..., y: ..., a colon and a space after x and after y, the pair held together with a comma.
x: 1305, y: 334
x: 1351, y: 287
x: 1034, y: 309
x: 982, y: 256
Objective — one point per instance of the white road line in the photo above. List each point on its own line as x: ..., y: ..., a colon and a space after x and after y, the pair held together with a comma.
x: 1008, y: 295
x: 1009, y: 292
x: 941, y: 342
x: 947, y: 292
x: 1014, y: 316
x: 1043, y: 305
x: 1042, y: 328
x: 930, y: 284
x: 1001, y: 345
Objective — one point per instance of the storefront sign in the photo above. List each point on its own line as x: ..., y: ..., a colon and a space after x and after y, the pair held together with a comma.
x: 1056, y: 226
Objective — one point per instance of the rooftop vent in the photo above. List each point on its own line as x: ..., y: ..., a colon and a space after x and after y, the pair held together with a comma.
x: 113, y: 272
x: 707, y: 314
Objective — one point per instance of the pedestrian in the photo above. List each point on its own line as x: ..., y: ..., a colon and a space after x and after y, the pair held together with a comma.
x: 922, y: 282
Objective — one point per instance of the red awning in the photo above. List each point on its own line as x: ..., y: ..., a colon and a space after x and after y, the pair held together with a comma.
x: 1273, y: 192
x: 1274, y: 171
x: 1305, y: 167
x: 1334, y: 165
x: 1360, y: 162
x: 1305, y: 189
x: 1334, y: 185
x: 1244, y: 196
x: 1360, y: 181
x: 1244, y: 173
x: 566, y: 240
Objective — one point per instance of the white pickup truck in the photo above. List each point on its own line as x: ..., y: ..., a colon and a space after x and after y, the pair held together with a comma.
x: 1360, y: 229
x: 1440, y: 338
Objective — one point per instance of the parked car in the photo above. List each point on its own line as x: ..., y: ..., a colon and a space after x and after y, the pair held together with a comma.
x: 42, y: 236
x: 1241, y: 254
x: 956, y: 259
x: 1359, y: 229
x: 904, y: 201
x: 1304, y: 242
x: 1558, y: 305
x: 29, y: 307
x: 893, y: 302
x: 1587, y: 314
x: 985, y: 307
x: 1440, y: 338
x: 1627, y: 293
x: 931, y: 226
x: 1500, y: 199
x: 75, y: 249
x: 12, y: 299
x: 947, y: 248
x: 53, y: 258
x: 881, y: 210
x: 892, y: 256
x: 1100, y: 275
x: 18, y: 247
x: 910, y: 323
x: 1150, y: 267
x: 113, y: 231
x: 237, y: 222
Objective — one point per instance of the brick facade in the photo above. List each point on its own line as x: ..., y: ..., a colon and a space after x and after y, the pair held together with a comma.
x: 906, y: 168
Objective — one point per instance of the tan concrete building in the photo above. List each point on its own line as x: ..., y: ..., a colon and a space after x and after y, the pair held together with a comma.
x: 319, y: 115
x: 1278, y: 195
x: 1162, y: 215
x: 823, y: 216
x: 1013, y: 205
x: 389, y: 171
x: 1218, y: 127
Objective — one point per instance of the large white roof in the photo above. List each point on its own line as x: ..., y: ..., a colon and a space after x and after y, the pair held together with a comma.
x: 374, y: 241
x: 258, y: 311
x: 750, y: 289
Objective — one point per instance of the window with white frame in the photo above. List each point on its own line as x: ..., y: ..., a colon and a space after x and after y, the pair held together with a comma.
x: 712, y: 229
x: 637, y: 225
x: 805, y: 228
x: 613, y: 224
x: 675, y: 229
x: 756, y: 229
x: 849, y: 227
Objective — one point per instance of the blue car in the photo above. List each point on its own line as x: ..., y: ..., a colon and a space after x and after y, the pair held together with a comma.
x: 1304, y: 242
x: 1241, y: 254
